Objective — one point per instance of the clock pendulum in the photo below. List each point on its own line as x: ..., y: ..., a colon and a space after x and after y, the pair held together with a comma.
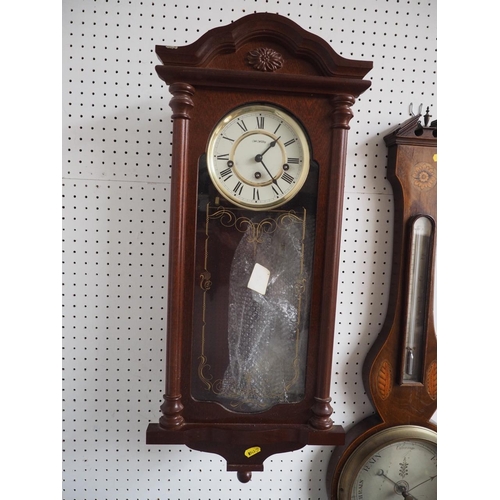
x: 394, y: 452
x: 261, y: 112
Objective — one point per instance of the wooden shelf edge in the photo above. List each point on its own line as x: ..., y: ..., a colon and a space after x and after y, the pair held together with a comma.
x: 245, y: 451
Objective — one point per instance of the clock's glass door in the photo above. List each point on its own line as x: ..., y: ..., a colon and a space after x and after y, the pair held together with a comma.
x: 252, y: 300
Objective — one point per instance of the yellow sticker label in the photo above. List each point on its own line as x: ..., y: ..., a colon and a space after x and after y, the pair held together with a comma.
x: 435, y: 157
x: 252, y: 451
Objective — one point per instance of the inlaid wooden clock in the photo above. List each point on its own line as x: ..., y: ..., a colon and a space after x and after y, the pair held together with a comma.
x: 261, y: 112
x: 393, y: 454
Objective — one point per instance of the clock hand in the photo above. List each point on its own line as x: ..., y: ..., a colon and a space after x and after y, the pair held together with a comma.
x: 270, y: 175
x: 258, y: 158
x: 380, y: 472
x: 430, y: 479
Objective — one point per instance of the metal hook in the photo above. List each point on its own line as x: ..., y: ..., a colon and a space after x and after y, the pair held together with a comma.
x: 419, y: 109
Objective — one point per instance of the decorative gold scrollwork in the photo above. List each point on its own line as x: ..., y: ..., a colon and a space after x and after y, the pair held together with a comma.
x: 216, y: 386
x: 228, y: 218
x: 205, y: 281
x: 266, y: 226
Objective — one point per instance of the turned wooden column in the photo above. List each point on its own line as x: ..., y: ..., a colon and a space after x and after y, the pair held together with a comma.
x: 181, y: 104
x: 322, y: 409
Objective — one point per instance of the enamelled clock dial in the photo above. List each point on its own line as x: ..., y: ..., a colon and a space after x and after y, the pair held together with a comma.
x: 258, y: 157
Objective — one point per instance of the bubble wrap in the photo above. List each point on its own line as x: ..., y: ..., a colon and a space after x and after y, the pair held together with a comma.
x: 267, y: 335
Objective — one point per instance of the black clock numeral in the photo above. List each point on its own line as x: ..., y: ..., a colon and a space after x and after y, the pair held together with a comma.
x: 226, y: 174
x: 242, y: 125
x: 223, y: 157
x: 256, y: 196
x: 238, y: 188
x: 277, y: 128
x: 291, y: 141
x: 228, y: 138
x: 287, y: 178
x: 293, y: 160
x: 260, y: 122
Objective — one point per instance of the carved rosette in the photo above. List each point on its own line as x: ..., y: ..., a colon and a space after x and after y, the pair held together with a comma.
x: 424, y: 176
x: 265, y: 59
x: 384, y: 380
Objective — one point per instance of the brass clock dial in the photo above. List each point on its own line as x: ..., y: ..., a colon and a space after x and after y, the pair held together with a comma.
x: 398, y: 462
x: 258, y: 157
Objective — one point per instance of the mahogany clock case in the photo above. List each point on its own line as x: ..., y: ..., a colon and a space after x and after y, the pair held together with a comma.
x: 262, y: 58
x: 313, y: 113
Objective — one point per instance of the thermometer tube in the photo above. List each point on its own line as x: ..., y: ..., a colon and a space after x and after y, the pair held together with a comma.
x: 417, y: 297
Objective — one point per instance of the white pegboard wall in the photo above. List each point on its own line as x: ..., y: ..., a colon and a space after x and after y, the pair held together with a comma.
x: 116, y: 192
x: 364, y: 281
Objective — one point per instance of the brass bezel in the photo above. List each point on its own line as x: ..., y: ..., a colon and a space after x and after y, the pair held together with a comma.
x: 374, y: 443
x: 291, y: 121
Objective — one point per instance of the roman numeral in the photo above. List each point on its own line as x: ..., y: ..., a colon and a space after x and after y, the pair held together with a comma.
x: 226, y: 173
x: 238, y: 188
x: 260, y: 122
x: 242, y: 126
x: 223, y: 157
x: 227, y: 138
x: 291, y: 141
x: 287, y: 178
x: 293, y: 160
x: 277, y: 128
x: 256, y: 196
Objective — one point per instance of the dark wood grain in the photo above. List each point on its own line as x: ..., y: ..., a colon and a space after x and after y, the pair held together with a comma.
x: 220, y: 46
x: 409, y: 146
x: 396, y: 403
x: 318, y: 87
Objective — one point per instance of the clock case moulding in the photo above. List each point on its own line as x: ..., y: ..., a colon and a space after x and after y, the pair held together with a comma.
x: 263, y: 58
x: 412, y: 172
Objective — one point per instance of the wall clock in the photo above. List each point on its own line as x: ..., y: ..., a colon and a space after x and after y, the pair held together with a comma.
x: 261, y: 112
x: 393, y: 454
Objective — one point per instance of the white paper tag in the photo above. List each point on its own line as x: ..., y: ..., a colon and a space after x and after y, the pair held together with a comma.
x: 259, y: 279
